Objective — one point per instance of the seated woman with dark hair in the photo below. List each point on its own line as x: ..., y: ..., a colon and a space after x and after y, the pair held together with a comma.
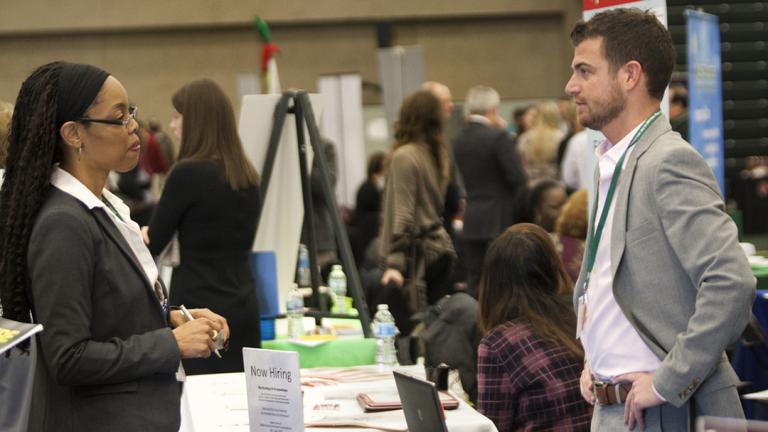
x: 528, y: 361
x: 545, y: 199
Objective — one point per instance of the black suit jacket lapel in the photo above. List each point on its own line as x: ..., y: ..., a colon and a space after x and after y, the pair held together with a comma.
x: 114, y: 234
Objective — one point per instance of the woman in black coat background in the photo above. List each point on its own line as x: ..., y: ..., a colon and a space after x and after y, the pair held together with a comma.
x: 211, y: 199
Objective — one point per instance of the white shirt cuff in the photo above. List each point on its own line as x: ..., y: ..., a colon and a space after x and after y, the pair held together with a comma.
x: 653, y: 387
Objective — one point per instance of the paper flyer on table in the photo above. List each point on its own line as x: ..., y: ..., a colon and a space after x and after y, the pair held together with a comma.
x: 274, y: 390
x: 13, y: 333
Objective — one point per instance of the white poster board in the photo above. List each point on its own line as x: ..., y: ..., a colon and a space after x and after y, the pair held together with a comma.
x: 282, y: 212
x: 273, y: 385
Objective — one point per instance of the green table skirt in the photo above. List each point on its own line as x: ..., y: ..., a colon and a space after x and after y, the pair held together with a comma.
x: 761, y: 273
x: 335, y: 353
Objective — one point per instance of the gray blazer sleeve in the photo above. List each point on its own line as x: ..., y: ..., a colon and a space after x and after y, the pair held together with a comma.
x: 704, y: 241
x: 64, y: 267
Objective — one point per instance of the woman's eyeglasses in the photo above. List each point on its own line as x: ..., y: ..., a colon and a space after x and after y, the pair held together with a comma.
x: 118, y: 122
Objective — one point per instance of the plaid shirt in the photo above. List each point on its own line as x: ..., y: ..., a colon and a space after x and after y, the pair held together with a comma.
x: 525, y: 384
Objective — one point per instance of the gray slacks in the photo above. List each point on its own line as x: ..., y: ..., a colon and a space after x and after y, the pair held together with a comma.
x: 609, y: 418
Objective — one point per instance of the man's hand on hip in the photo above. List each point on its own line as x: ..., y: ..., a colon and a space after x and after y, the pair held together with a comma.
x: 640, y: 397
x: 585, y: 384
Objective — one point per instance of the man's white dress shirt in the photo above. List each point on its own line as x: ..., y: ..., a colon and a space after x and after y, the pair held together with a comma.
x: 612, y: 346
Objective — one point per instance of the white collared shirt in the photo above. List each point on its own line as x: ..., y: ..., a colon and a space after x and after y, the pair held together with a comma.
x: 612, y: 346
x: 130, y: 230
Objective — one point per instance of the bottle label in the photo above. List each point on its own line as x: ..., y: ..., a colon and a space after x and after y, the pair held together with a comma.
x: 295, y: 305
x: 385, y: 329
x: 338, y: 286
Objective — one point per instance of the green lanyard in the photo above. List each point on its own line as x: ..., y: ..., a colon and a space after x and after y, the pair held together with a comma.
x: 111, y: 207
x: 596, y: 234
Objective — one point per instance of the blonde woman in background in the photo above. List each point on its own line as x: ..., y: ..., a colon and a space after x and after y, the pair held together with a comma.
x: 538, y: 146
x: 571, y: 122
x: 6, y: 112
x: 571, y: 232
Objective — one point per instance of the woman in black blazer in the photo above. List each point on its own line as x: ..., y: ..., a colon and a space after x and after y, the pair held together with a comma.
x: 211, y: 199
x: 73, y: 260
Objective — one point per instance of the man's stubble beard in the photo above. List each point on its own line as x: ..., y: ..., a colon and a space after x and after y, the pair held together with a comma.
x: 614, y: 106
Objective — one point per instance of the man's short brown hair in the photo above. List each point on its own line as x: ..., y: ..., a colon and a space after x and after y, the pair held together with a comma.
x: 632, y: 34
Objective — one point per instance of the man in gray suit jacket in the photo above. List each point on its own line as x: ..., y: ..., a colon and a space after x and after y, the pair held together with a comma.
x: 664, y: 286
x: 493, y: 177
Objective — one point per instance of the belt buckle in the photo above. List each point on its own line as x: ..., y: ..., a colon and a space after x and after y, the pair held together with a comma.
x: 608, y: 387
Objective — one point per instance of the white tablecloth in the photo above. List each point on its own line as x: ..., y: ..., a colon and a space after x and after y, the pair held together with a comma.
x: 219, y: 403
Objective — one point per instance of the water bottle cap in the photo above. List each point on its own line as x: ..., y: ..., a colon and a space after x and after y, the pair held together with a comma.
x: 336, y: 267
x: 382, y: 307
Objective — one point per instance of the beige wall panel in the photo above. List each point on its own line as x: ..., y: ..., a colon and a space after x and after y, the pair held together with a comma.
x: 89, y: 15
x: 315, y: 50
x: 521, y: 58
x: 150, y: 66
x: 153, y: 65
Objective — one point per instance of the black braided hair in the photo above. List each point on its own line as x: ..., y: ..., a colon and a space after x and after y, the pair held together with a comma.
x: 33, y: 150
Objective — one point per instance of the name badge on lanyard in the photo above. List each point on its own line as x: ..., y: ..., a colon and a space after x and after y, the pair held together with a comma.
x: 581, y: 317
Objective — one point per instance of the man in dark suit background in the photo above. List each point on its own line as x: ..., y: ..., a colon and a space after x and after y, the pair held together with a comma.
x: 493, y: 177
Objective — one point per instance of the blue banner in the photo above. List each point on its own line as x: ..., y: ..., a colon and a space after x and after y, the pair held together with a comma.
x: 705, y: 93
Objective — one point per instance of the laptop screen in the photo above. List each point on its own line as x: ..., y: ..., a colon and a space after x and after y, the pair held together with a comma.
x: 421, y: 404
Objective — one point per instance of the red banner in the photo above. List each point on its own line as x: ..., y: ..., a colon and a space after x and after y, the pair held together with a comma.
x: 599, y: 4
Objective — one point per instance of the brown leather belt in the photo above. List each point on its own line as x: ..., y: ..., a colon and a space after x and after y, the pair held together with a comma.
x: 608, y: 393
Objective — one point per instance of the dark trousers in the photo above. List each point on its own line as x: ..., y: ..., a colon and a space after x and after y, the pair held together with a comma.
x: 473, y: 254
x: 439, y: 278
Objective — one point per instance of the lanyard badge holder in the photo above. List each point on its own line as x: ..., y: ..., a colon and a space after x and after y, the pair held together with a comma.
x: 596, y: 233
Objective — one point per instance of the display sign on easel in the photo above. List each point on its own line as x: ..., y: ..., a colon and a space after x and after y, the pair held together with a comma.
x: 273, y: 385
x: 282, y: 212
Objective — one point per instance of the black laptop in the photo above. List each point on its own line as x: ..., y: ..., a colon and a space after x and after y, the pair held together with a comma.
x: 421, y: 404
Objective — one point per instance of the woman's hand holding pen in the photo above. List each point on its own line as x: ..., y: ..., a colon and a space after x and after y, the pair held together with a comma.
x: 219, y: 322
x: 197, y: 337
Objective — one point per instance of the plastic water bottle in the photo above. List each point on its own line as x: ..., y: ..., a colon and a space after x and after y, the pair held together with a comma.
x: 302, y: 269
x: 384, y: 329
x: 294, y: 309
x: 337, y: 282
